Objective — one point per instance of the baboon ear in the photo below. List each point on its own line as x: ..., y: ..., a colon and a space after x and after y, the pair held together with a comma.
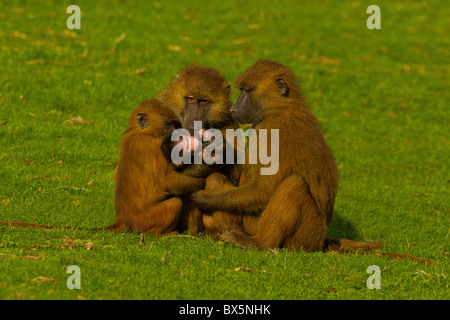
x: 141, y: 119
x: 283, y: 88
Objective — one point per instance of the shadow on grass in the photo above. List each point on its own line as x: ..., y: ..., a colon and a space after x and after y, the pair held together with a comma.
x: 342, y: 228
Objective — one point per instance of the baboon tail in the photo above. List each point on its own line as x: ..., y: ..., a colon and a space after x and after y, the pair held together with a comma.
x: 43, y: 226
x: 348, y: 246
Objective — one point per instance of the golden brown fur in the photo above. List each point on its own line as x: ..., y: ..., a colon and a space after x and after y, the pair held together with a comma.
x: 147, y: 188
x: 291, y: 208
x: 216, y: 222
x: 202, y: 82
x: 199, y: 83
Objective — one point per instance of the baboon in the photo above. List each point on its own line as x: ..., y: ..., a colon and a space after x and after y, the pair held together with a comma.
x: 200, y: 93
x: 293, y: 207
x: 147, y: 187
x: 148, y: 190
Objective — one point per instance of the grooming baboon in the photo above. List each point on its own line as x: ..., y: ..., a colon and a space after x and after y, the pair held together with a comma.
x: 293, y: 207
x: 148, y: 190
x: 200, y: 93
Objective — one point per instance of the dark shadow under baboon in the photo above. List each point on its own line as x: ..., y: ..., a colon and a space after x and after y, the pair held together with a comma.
x: 339, y: 227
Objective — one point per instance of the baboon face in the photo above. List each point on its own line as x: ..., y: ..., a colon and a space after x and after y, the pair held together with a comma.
x: 206, y: 99
x: 245, y: 110
x: 250, y: 105
x: 199, y: 93
x: 196, y: 109
x: 266, y: 87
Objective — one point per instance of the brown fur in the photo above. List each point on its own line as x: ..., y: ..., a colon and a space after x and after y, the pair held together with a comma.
x: 293, y: 207
x: 200, y: 82
x: 217, y: 221
x: 343, y: 246
x: 205, y: 83
x: 148, y: 190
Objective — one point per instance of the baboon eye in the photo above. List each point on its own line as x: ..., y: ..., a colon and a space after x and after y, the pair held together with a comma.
x: 191, y: 99
x: 203, y: 102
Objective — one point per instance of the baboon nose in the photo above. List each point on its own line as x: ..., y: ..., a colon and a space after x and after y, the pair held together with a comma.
x: 233, y: 112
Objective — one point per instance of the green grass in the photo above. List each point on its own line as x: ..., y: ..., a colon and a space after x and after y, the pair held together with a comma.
x: 381, y: 97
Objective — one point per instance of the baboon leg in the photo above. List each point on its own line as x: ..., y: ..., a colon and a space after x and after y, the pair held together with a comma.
x: 218, y: 221
x: 291, y: 219
x: 117, y: 226
x: 158, y: 219
x: 312, y: 230
x: 210, y: 225
x: 190, y: 218
x: 217, y: 182
x: 163, y: 217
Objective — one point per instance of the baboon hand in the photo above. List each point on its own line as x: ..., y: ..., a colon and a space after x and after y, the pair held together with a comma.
x: 200, y: 199
x: 239, y: 238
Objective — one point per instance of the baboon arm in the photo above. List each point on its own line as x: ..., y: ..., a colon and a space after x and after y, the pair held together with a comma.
x: 245, y: 199
x: 198, y: 170
x: 178, y: 184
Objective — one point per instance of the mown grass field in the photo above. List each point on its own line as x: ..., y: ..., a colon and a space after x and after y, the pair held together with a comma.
x: 382, y: 98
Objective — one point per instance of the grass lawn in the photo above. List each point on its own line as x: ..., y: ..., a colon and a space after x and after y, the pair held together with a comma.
x: 382, y: 98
